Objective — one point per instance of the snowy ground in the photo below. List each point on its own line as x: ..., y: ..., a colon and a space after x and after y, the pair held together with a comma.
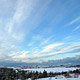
x: 57, y: 79
x: 54, y: 78
x: 58, y: 69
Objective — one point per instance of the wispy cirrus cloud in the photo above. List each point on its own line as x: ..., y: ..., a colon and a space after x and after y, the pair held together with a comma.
x: 75, y: 20
x: 35, y: 53
x: 77, y: 28
x: 47, y: 40
x: 68, y: 37
x: 51, y: 47
x: 64, y: 50
x: 40, y: 40
x: 13, y: 26
x: 11, y: 31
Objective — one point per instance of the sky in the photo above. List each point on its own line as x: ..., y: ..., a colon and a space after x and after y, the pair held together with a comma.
x: 39, y: 30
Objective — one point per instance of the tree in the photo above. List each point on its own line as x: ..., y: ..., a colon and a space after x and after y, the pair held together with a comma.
x: 44, y: 73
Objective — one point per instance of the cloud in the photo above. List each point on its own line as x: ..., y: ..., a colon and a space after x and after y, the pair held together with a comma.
x: 21, y: 14
x: 40, y: 40
x: 78, y: 57
x: 11, y: 30
x: 74, y: 50
x: 60, y: 51
x: 75, y: 20
x: 68, y: 37
x: 23, y: 54
x: 50, y: 47
x: 7, y: 42
x: 45, y: 41
x: 16, y: 20
x: 66, y: 49
x: 66, y: 61
x: 34, y: 54
x: 19, y: 18
x: 78, y: 27
x: 36, y: 39
x: 52, y: 50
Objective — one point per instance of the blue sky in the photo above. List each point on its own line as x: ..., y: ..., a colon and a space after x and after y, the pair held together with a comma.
x: 39, y: 30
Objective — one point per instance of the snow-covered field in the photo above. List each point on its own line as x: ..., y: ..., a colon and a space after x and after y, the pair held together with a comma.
x: 58, y: 69
x: 53, y: 78
x: 55, y: 69
x: 58, y: 78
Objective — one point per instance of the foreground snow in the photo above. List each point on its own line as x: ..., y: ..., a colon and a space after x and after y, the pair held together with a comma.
x: 59, y: 79
x: 58, y: 69
x: 53, y: 78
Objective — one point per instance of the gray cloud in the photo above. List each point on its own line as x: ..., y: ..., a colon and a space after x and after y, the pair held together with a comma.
x: 65, y: 61
x: 74, y: 51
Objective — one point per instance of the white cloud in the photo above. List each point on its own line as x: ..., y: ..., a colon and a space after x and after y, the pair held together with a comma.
x: 15, y: 21
x: 15, y: 32
x: 8, y: 31
x: 24, y: 54
x: 36, y: 55
x: 68, y: 37
x: 40, y: 39
x: 60, y: 51
x: 75, y: 20
x: 17, y: 17
x: 51, y: 47
x: 19, y: 56
x: 78, y: 27
x: 66, y: 49
x: 63, y: 50
x: 12, y: 32
x: 22, y: 12
x: 45, y: 41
